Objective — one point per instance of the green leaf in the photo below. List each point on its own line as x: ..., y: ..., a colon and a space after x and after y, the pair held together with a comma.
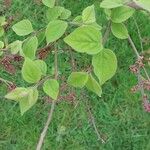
x: 96, y: 26
x: 31, y: 73
x: 49, y: 3
x: 42, y: 66
x: 93, y: 85
x: 54, y: 13
x: 78, y: 79
x: 17, y: 94
x: 30, y: 47
x: 145, y: 4
x: 78, y: 19
x: 121, y: 14
x: 111, y: 3
x: 55, y: 30
x: 51, y: 88
x: 27, y: 102
x: 88, y: 15
x: 23, y: 27
x: 107, y: 13
x: 85, y: 39
x: 41, y: 36
x: 65, y: 14
x: 15, y: 47
x: 1, y: 44
x: 1, y: 31
x: 2, y: 20
x: 119, y: 30
x: 105, y: 65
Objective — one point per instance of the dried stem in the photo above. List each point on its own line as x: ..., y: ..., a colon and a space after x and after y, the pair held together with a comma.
x: 42, y: 81
x: 134, y: 5
x: 137, y: 54
x: 139, y: 34
x: 94, y: 124
x: 107, y: 32
x: 133, y: 47
x: 6, y: 81
x: 50, y: 115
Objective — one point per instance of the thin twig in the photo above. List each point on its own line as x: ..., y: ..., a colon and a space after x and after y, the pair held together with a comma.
x: 133, y: 47
x: 44, y: 132
x: 72, y: 60
x: 134, y: 5
x: 107, y: 32
x: 137, y: 54
x: 94, y: 124
x: 50, y: 115
x: 139, y: 34
x: 5, y: 81
x: 42, y: 81
x: 139, y: 72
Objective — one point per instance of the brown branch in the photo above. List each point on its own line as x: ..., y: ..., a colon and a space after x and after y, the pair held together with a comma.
x: 44, y: 132
x: 107, y: 32
x: 50, y: 115
x: 6, y: 81
x: 139, y: 73
x: 42, y: 81
x: 137, y: 54
x: 134, y: 5
x: 94, y: 123
x: 133, y: 47
x: 139, y: 34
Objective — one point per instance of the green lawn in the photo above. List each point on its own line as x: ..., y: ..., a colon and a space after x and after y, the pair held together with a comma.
x: 119, y: 115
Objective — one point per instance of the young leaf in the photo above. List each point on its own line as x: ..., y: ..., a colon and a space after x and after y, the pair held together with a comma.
x: 95, y: 25
x: 15, y: 47
x: 51, y: 88
x: 17, y: 94
x: 2, y: 20
x: 31, y: 73
x: 119, y: 30
x: 1, y: 44
x: 121, y: 14
x: 41, y: 37
x: 54, y: 13
x: 78, y: 19
x: 55, y: 30
x: 78, y: 79
x: 49, y: 3
x: 93, y: 85
x: 65, y: 14
x: 42, y: 66
x: 88, y: 15
x: 1, y: 31
x: 27, y: 102
x: 105, y: 65
x: 30, y: 47
x: 23, y: 27
x: 85, y: 39
x: 111, y: 3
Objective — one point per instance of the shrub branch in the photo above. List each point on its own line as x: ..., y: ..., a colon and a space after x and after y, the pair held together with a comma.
x: 50, y: 114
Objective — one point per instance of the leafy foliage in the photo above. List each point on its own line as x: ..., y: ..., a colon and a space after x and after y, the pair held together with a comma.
x: 31, y: 72
x: 85, y: 38
x: 55, y: 30
x: 23, y: 27
x: 78, y: 79
x: 105, y: 65
x: 119, y: 30
x: 51, y: 88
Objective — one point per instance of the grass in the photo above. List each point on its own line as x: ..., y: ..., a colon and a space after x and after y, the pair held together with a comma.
x: 119, y: 115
